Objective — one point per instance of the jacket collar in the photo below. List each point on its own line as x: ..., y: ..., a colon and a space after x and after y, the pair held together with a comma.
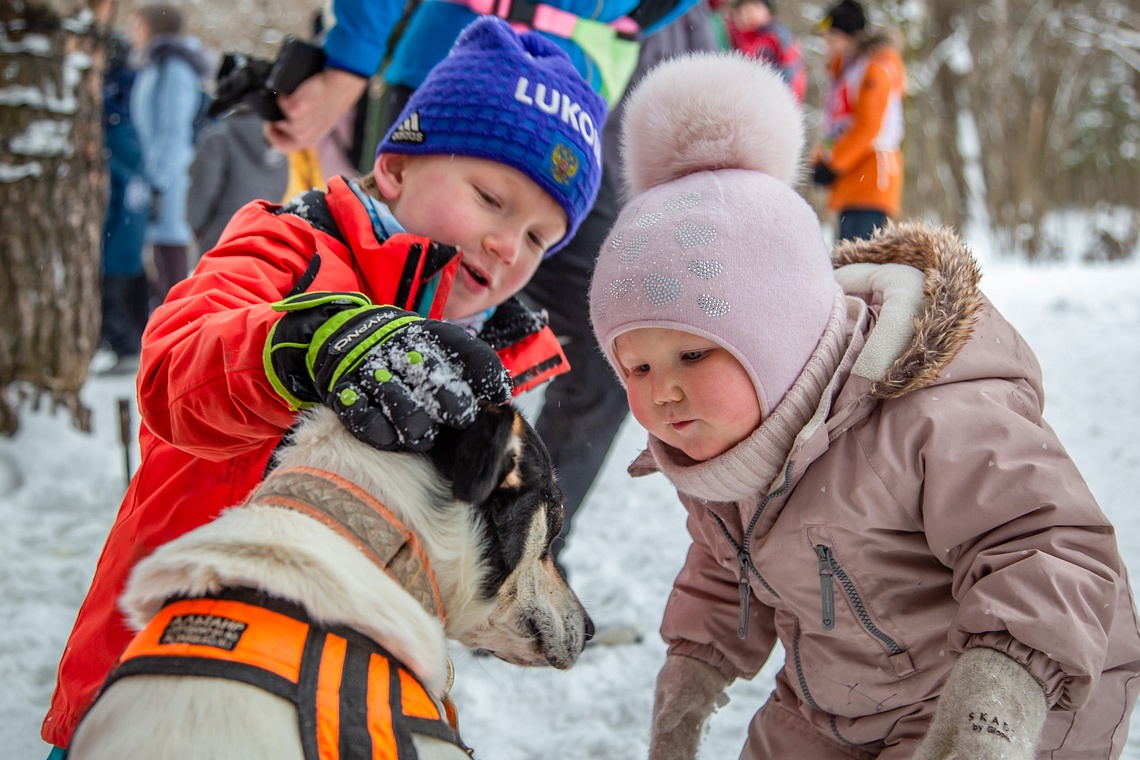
x: 927, y: 313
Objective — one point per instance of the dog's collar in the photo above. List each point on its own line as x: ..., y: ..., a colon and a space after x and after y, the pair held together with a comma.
x: 360, y: 518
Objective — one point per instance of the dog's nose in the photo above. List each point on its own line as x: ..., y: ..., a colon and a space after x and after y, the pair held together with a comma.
x: 590, y: 630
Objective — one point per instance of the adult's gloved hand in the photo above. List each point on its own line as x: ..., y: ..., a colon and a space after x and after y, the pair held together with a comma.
x: 991, y: 707
x: 392, y: 376
x: 687, y: 691
x: 821, y: 174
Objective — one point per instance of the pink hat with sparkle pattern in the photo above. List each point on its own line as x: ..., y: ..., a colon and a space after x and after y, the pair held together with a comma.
x: 714, y: 240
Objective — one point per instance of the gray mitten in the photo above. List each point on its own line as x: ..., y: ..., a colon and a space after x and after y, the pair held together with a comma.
x: 991, y: 707
x: 687, y: 691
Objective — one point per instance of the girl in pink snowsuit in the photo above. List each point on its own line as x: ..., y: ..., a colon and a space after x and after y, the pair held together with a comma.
x: 858, y: 440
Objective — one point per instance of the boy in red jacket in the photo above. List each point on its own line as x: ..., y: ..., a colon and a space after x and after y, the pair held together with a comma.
x: 329, y: 300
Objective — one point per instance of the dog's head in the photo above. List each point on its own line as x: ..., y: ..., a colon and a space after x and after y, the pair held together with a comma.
x: 485, y: 507
x: 501, y: 468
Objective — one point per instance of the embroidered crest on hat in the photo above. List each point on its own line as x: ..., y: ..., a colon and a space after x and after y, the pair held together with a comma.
x: 564, y: 163
x: 408, y: 130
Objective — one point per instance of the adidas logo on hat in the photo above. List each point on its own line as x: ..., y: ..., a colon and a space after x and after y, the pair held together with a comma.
x: 409, y: 130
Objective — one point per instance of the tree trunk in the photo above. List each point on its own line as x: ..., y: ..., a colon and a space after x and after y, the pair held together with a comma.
x: 52, y: 203
x: 935, y: 174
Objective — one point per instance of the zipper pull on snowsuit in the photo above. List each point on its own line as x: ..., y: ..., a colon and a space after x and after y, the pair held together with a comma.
x: 745, y: 593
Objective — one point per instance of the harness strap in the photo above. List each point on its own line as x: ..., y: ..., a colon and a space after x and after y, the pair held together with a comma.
x: 612, y: 45
x: 543, y: 18
x: 359, y: 518
x: 353, y: 698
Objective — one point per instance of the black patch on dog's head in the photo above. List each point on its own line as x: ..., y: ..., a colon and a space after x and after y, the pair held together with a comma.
x: 476, y: 460
x: 504, y: 470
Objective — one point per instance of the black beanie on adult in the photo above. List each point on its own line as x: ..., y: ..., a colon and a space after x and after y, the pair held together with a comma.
x: 846, y: 16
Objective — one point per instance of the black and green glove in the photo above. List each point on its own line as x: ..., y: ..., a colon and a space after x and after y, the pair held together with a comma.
x: 392, y: 376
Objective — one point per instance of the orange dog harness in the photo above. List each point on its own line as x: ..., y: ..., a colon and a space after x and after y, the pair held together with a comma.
x: 354, y: 700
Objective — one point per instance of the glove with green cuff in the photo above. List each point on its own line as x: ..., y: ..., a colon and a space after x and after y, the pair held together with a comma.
x: 392, y: 376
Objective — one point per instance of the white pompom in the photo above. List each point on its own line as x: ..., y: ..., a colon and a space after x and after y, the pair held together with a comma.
x: 710, y: 111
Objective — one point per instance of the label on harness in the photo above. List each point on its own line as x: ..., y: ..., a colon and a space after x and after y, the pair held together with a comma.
x: 204, y: 630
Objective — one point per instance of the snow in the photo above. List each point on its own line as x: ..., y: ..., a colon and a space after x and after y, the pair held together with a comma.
x: 14, y: 172
x: 60, y: 489
x: 43, y: 137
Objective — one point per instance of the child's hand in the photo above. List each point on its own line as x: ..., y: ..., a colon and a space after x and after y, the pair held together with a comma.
x: 392, y: 376
x: 991, y: 707
x: 687, y: 692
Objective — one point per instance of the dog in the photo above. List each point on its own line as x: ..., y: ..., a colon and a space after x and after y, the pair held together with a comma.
x: 381, y: 556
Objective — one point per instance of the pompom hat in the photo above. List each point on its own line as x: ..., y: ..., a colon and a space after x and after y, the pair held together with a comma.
x: 714, y: 240
x: 514, y: 99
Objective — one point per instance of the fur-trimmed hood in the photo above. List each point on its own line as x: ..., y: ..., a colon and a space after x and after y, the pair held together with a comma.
x: 940, y: 323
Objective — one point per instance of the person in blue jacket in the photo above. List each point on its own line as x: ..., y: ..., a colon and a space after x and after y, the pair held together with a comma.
x: 584, y: 408
x: 124, y: 287
x: 165, y: 101
x: 600, y: 36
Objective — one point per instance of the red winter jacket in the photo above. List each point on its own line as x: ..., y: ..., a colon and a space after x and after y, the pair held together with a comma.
x: 211, y: 420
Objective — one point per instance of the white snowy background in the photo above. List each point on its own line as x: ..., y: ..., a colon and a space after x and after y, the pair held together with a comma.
x: 60, y: 489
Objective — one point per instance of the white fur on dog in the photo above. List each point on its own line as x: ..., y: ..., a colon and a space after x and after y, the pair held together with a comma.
x: 296, y: 557
x: 299, y: 559
x: 676, y: 122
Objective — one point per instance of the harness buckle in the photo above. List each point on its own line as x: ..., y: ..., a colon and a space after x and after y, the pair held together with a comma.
x: 521, y: 12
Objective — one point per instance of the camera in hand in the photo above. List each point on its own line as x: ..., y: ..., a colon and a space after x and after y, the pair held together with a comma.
x: 257, y: 82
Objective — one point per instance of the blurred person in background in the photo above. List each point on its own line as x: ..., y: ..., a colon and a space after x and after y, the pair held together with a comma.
x: 125, y: 295
x: 233, y: 165
x: 755, y: 31
x: 165, y: 101
x: 584, y: 408
x: 860, y: 158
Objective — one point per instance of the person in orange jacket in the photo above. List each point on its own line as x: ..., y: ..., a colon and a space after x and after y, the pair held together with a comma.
x: 355, y: 299
x: 860, y: 158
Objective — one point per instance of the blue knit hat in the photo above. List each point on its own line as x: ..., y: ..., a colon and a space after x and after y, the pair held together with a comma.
x: 514, y: 99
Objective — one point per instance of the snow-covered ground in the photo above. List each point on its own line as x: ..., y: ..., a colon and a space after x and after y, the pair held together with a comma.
x: 59, y: 491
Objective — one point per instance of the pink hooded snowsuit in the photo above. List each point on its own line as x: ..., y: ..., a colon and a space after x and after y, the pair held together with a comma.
x: 925, y: 509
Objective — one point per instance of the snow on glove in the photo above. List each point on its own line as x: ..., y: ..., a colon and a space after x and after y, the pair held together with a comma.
x: 687, y: 691
x: 991, y: 707
x: 392, y: 376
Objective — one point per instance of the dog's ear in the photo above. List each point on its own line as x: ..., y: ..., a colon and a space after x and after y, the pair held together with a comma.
x: 477, y: 459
